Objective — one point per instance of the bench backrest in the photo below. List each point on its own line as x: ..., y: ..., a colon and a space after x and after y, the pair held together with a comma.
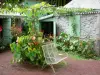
x: 50, y: 52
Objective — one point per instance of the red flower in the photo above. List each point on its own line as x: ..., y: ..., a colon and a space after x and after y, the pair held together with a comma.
x: 42, y: 31
x: 0, y: 28
x: 36, y: 43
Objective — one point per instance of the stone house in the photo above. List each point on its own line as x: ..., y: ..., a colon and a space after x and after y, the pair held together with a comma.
x: 87, y: 23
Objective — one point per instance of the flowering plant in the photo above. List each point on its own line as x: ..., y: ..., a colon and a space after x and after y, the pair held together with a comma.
x: 16, y: 31
x: 28, y: 48
x: 0, y: 28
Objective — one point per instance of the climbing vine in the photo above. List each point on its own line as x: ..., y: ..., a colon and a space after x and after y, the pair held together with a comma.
x: 71, y: 11
x: 74, y: 25
x: 36, y: 11
x: 44, y: 9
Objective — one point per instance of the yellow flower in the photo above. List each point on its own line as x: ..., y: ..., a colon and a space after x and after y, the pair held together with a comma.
x: 29, y: 49
x: 34, y: 48
x: 30, y: 43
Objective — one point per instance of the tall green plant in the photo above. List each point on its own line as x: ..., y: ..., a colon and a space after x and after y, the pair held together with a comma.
x: 38, y: 11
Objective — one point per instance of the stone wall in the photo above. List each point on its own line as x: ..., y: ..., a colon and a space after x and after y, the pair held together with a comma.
x: 89, y: 27
x: 62, y: 24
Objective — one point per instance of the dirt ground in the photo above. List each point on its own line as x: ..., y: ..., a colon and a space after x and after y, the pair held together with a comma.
x: 74, y: 67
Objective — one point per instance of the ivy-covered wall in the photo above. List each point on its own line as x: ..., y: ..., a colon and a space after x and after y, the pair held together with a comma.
x: 68, y: 24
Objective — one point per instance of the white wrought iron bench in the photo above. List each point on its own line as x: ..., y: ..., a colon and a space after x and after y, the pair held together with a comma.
x: 52, y: 55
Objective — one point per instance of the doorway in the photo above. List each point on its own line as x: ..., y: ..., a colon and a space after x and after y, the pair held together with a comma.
x: 47, y: 28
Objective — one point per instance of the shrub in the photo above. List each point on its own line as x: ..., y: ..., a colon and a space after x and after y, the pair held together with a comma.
x: 69, y: 43
x: 28, y: 48
x: 15, y: 31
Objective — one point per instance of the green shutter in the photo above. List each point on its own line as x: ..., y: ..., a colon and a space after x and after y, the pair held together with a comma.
x: 74, y: 20
x: 78, y: 25
x: 6, y: 31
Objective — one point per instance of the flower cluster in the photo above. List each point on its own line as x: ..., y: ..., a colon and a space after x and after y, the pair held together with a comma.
x: 16, y: 31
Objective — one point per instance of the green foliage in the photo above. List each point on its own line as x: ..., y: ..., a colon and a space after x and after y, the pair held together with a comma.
x: 13, y: 1
x: 39, y: 9
x: 6, y: 3
x: 71, y: 11
x: 43, y: 9
x: 28, y: 48
x: 74, y: 44
x: 35, y: 12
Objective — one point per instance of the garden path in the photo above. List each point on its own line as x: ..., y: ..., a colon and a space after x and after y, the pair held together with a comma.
x: 74, y: 67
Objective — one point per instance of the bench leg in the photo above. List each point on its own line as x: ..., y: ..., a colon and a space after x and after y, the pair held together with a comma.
x: 64, y: 62
x: 52, y: 68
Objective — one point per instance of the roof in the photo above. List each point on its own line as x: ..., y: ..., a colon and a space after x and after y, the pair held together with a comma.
x: 46, y: 17
x: 15, y: 15
x: 93, y: 4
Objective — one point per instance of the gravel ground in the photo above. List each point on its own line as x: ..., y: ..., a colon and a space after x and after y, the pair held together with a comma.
x: 74, y: 67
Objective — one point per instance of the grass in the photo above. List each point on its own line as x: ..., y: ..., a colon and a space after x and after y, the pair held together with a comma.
x: 75, y: 56
x: 78, y: 57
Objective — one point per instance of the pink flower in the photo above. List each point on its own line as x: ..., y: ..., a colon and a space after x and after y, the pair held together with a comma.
x: 33, y: 38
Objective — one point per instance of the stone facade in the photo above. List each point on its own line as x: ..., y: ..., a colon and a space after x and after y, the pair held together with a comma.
x: 89, y: 27
x: 62, y: 24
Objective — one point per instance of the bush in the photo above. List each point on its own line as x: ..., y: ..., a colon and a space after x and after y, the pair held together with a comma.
x: 28, y: 48
x: 15, y: 31
x: 68, y: 43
